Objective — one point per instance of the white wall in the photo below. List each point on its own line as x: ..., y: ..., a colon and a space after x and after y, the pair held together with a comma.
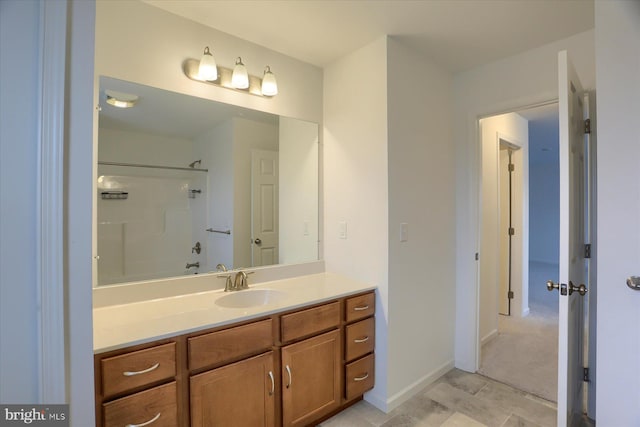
x: 521, y: 80
x: 356, y: 184
x: 544, y: 194
x: 390, y: 161
x: 618, y: 90
x: 19, y: 56
x: 298, y: 212
x: 148, y: 46
x: 422, y: 195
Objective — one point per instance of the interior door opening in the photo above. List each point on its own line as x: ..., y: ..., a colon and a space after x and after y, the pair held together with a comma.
x: 519, y: 331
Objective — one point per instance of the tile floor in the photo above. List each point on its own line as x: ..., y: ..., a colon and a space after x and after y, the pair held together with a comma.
x: 458, y: 399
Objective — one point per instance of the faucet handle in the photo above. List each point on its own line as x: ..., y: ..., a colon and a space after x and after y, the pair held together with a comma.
x: 228, y: 286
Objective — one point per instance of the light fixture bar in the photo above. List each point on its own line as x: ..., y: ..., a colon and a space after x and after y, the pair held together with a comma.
x: 191, y: 70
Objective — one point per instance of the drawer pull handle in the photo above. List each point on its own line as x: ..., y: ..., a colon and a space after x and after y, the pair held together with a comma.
x: 362, y: 378
x: 273, y: 384
x: 288, y: 373
x: 144, y: 371
x: 152, y: 420
x: 361, y: 308
x: 361, y: 340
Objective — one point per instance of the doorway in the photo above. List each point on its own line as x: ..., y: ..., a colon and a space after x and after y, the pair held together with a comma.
x: 518, y: 316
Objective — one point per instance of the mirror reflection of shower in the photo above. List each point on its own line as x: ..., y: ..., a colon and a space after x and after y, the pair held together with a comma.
x: 176, y: 170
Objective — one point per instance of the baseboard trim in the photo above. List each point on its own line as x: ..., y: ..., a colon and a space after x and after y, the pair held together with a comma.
x: 491, y: 335
x: 409, y: 391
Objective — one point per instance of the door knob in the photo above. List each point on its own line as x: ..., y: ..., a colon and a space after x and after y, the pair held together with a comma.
x: 551, y: 285
x: 257, y: 241
x: 634, y: 283
x: 582, y: 289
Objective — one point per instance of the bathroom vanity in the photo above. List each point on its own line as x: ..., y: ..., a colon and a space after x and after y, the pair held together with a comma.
x: 290, y: 353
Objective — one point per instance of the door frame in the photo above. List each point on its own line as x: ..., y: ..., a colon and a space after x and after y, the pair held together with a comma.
x: 476, y: 196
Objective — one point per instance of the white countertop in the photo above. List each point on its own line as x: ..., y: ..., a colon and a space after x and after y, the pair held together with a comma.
x: 123, y: 325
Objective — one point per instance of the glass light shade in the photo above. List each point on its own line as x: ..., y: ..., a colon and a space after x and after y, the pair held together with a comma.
x: 240, y: 77
x: 269, y: 84
x: 120, y: 99
x: 208, y: 69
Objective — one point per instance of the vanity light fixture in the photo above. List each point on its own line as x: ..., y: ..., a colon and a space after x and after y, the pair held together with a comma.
x: 240, y: 76
x: 269, y: 84
x: 206, y: 71
x: 120, y: 99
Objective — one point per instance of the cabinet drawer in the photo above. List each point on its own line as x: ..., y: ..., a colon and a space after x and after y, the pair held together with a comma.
x: 359, y: 338
x: 359, y: 377
x: 136, y: 369
x: 308, y: 322
x: 229, y: 344
x: 158, y: 403
x: 359, y: 307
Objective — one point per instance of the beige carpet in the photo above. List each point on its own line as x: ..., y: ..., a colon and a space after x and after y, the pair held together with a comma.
x: 524, y: 354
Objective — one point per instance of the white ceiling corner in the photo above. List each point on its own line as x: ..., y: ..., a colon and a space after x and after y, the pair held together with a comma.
x: 457, y: 34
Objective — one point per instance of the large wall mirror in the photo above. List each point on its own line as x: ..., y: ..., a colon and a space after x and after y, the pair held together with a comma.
x: 186, y: 184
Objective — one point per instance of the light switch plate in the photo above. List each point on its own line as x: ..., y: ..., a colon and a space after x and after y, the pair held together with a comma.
x: 342, y: 230
x: 404, y: 232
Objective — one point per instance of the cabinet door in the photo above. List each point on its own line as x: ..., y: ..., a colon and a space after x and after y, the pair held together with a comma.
x: 240, y: 394
x: 310, y: 379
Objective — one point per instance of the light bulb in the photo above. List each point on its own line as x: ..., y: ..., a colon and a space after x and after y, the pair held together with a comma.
x: 208, y: 69
x: 269, y: 84
x: 240, y: 77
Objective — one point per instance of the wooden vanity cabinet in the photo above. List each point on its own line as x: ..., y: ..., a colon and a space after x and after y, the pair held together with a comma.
x: 238, y: 385
x: 359, y: 345
x: 292, y: 368
x: 137, y: 386
x: 241, y: 394
x: 311, y: 370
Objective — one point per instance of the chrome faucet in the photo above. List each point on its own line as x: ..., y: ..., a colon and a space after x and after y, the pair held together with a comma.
x: 221, y: 267
x: 195, y: 264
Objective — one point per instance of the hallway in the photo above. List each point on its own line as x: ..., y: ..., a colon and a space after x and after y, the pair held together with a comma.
x: 524, y: 354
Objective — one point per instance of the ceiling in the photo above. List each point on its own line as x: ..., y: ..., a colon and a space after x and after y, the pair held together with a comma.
x: 457, y: 34
x: 162, y: 112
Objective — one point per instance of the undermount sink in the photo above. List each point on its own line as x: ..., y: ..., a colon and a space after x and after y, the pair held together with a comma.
x: 250, y: 298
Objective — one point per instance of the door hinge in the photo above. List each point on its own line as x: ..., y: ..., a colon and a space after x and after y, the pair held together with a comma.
x: 512, y: 231
x: 587, y: 250
x: 477, y: 256
x: 510, y: 294
x: 585, y: 375
x: 512, y: 167
x: 587, y: 126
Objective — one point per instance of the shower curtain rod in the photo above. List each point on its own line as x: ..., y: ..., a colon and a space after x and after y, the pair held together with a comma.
x: 138, y: 165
